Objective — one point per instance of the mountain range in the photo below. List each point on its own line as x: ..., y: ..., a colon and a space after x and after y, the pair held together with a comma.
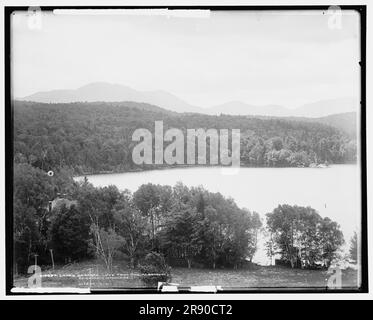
x: 102, y: 91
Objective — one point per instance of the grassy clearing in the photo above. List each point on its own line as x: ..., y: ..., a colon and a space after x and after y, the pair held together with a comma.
x: 93, y: 274
x: 261, y: 277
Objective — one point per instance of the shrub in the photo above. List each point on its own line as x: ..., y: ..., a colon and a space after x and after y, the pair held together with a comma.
x: 155, y: 269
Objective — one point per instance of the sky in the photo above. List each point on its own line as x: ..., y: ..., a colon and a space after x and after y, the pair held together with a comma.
x: 285, y: 58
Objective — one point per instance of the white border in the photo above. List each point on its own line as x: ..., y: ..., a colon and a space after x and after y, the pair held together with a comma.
x: 250, y: 296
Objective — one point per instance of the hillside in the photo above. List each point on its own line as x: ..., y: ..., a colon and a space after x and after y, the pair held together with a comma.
x: 346, y: 122
x: 310, y: 110
x: 108, y: 92
x: 241, y: 108
x: 102, y: 91
x: 96, y: 137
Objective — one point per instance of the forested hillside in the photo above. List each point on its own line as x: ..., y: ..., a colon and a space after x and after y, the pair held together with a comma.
x: 97, y: 137
x: 188, y: 226
x: 346, y: 122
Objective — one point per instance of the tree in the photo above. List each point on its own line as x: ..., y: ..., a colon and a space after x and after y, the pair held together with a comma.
x: 354, y: 247
x: 98, y: 203
x: 299, y: 159
x: 153, y: 201
x: 106, y: 244
x: 276, y: 143
x: 133, y: 228
x: 270, y: 246
x: 281, y: 223
x: 283, y: 157
x: 302, y: 236
x: 201, y: 204
x: 26, y: 235
x: 256, y: 154
x: 272, y: 158
x: 207, y: 236
x: 331, y: 239
x: 254, y: 228
x: 237, y: 247
x: 69, y: 234
x: 33, y: 189
x: 177, y: 237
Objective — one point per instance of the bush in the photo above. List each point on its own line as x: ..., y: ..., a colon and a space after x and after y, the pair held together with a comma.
x: 155, y: 269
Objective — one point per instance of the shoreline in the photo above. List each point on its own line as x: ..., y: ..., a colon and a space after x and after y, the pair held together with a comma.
x: 181, y: 166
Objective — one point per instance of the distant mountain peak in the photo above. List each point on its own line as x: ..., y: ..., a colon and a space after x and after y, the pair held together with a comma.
x: 316, y: 109
x: 111, y: 92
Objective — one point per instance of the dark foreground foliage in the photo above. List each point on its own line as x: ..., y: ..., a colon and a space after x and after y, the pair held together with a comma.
x: 189, y: 225
x: 155, y: 269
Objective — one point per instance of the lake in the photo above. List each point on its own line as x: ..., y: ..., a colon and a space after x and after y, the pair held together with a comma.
x: 334, y: 192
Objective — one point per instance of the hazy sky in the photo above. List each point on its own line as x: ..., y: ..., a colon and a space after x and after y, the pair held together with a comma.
x: 285, y: 58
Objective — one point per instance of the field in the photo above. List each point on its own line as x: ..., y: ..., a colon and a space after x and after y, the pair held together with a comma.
x: 94, y: 275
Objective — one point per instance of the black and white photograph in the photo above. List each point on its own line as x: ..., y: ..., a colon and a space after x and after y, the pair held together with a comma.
x: 186, y: 150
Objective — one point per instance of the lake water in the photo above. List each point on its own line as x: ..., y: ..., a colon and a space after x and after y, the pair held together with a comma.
x: 334, y: 192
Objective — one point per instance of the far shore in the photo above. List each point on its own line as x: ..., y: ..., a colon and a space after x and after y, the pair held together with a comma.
x: 190, y: 166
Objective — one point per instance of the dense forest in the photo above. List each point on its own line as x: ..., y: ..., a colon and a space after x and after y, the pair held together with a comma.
x: 187, y: 227
x: 97, y: 137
